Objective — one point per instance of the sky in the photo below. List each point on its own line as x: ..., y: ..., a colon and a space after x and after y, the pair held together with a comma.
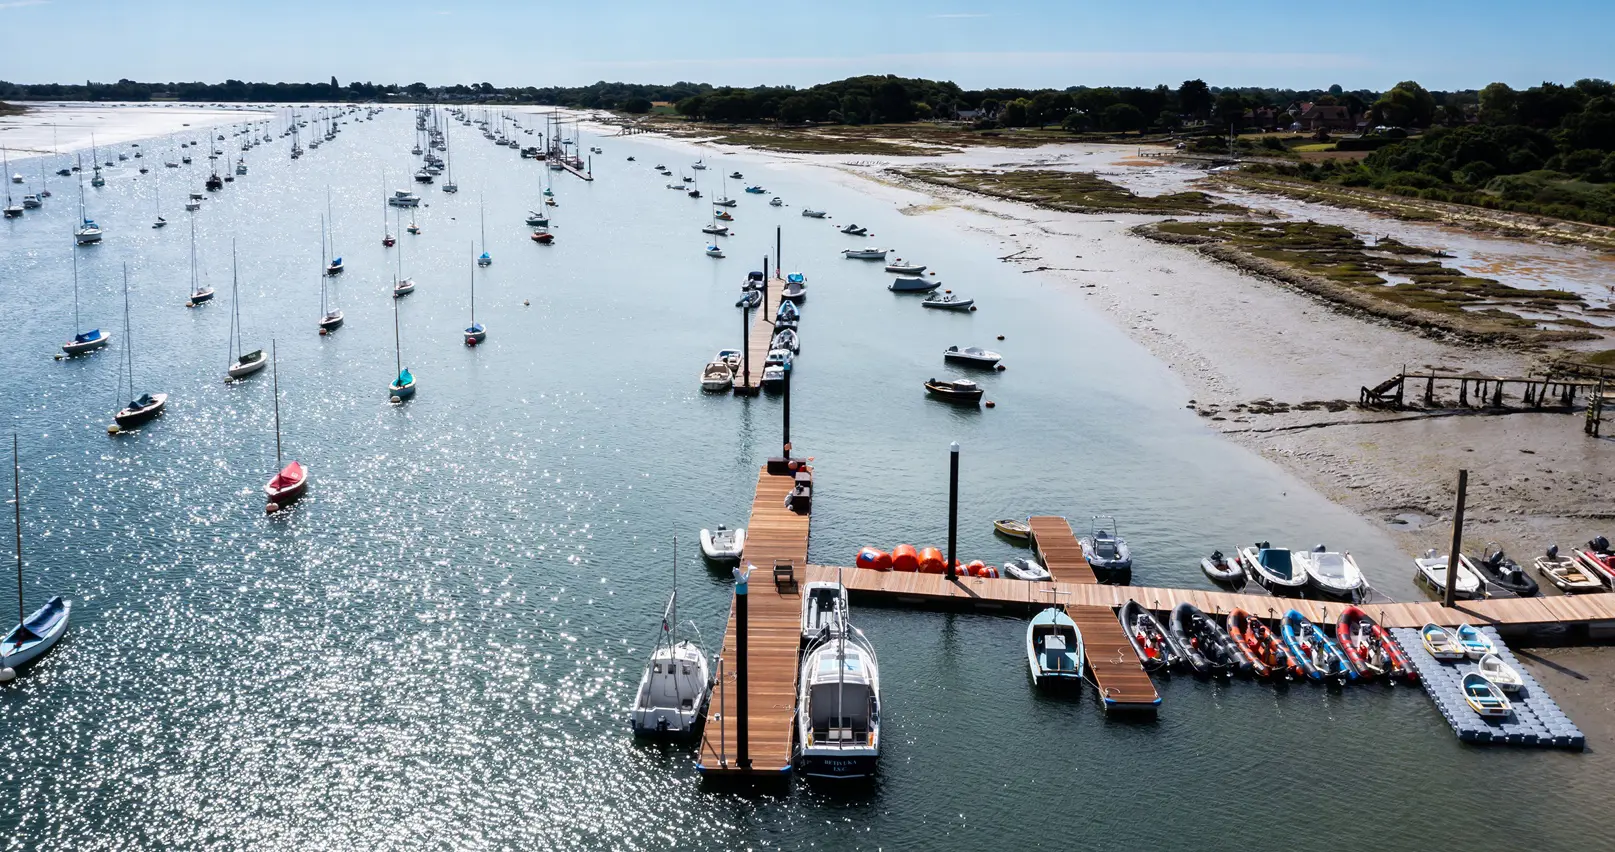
x: 1369, y: 44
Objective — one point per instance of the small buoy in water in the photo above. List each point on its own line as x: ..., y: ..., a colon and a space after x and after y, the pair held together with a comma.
x: 272, y: 508
x: 190, y: 304
x: 1002, y: 368
x: 112, y: 429
x: 323, y: 332
x: 58, y: 356
x: 991, y: 404
x: 1000, y: 337
x: 7, y: 674
x: 471, y: 341
x: 972, y: 307
x: 395, y: 400
x: 525, y: 303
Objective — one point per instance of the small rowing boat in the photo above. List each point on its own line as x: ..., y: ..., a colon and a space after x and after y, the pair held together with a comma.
x: 1011, y: 528
x: 1485, y: 698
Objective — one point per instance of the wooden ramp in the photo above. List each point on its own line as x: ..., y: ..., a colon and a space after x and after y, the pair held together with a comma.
x: 936, y: 591
x: 1057, y: 549
x: 762, y: 333
x: 1114, y: 665
x: 774, y: 625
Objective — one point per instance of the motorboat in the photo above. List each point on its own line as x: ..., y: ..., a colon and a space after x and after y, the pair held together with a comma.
x: 403, y: 287
x: 1599, y: 559
x: 1054, y: 649
x: 1501, y: 572
x: 776, y: 201
x: 1330, y: 573
x: 423, y: 176
x: 1485, y: 698
x: 756, y: 190
x: 36, y: 634
x: 730, y: 357
x: 247, y: 364
x: 1259, y: 645
x: 737, y: 176
x: 1369, y: 647
x: 404, y: 198
x: 1023, y: 568
x: 1501, y: 674
x: 543, y: 238
x: 854, y: 230
x: 723, y: 544
x: 1475, y: 643
x: 716, y: 377
x: 1565, y: 573
x: 824, y: 604
x: 838, y: 707
x: 812, y: 214
x: 785, y: 338
x: 677, y: 186
x: 698, y: 166
x: 1154, y: 646
x: 677, y: 685
x: 1431, y: 570
x: 714, y: 251
x: 749, y: 299
x: 900, y: 268
x: 88, y: 341
x: 1440, y: 644
x: 1313, y: 654
x: 773, y: 377
x: 1222, y: 569
x: 141, y: 410
x: 31, y: 202
x: 1208, y: 649
x: 795, y: 291
x: 948, y: 302
x: 788, y: 312
x: 868, y: 253
x: 1011, y: 528
x: 1107, y: 552
x: 956, y: 390
x: 913, y: 285
x: 1272, y: 569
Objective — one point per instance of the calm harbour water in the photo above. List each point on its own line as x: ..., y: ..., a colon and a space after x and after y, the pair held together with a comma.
x: 436, y: 648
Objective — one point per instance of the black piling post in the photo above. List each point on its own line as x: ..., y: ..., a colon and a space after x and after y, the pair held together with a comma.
x: 786, y: 446
x: 745, y: 345
x: 742, y: 738
x: 1457, y: 540
x: 953, y: 507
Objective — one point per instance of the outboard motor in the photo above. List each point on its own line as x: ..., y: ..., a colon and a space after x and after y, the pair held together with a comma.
x: 1600, y: 544
x: 1318, y: 548
x: 1553, y: 551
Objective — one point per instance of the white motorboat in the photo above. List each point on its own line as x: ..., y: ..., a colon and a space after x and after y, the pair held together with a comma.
x: 948, y: 302
x: 1566, y: 573
x: 812, y: 214
x: 677, y: 684
x: 867, y: 253
x: 776, y: 201
x: 1022, y: 568
x: 901, y: 268
x: 913, y: 285
x: 716, y: 377
x: 838, y: 707
x: 1330, y: 573
x: 1273, y: 569
x: 1054, y: 648
x: 1431, y: 570
x: 824, y: 603
x: 773, y: 376
x: 723, y: 544
x: 973, y: 355
x: 404, y: 198
x: 1501, y: 674
x: 854, y: 230
x: 730, y: 357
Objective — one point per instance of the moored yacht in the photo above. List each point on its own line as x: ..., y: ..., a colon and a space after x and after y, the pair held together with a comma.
x: 838, y: 706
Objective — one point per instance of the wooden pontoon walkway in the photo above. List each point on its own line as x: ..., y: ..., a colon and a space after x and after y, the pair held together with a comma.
x: 773, y: 634
x: 936, y: 590
x: 1112, y: 662
x: 762, y: 333
x: 1058, y: 550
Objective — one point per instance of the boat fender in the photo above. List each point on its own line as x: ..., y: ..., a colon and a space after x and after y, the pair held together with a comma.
x: 1000, y: 337
x: 7, y: 674
x: 991, y: 404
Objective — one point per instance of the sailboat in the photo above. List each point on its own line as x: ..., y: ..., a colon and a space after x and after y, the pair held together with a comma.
x: 12, y: 210
x: 475, y: 333
x: 677, y: 684
x: 292, y: 480
x: 242, y: 364
x: 724, y: 200
x: 157, y: 196
x: 484, y: 259
x: 335, y: 266
x: 95, y: 163
x: 146, y: 406
x: 83, y: 341
x: 387, y: 239
x: 449, y: 185
x: 200, y: 294
x: 403, y: 387
x: 34, y: 634
x: 87, y: 232
x: 413, y: 228
x: 331, y: 317
x: 402, y: 286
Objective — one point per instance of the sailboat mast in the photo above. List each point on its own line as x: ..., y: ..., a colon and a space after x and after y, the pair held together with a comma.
x: 274, y: 372
x: 235, y: 306
x: 323, y: 310
x: 193, y: 254
x: 398, y: 356
x: 128, y: 337
x: 16, y: 498
x: 75, y: 293
x: 473, y: 290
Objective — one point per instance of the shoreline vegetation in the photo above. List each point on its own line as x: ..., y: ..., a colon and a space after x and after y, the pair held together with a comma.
x: 12, y: 109
x: 1389, y: 280
x: 1075, y: 192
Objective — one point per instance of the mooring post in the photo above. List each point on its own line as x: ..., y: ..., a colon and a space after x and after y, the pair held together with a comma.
x: 742, y: 740
x: 953, y: 507
x: 786, y: 445
x: 1457, y: 540
x: 745, y: 345
x: 1430, y: 391
x: 1497, y: 395
x: 779, y: 262
x: 1463, y: 393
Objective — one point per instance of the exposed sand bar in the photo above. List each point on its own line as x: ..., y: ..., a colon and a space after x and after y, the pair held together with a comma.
x: 69, y: 126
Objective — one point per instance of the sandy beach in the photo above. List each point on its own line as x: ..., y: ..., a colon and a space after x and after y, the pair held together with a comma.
x: 48, y: 127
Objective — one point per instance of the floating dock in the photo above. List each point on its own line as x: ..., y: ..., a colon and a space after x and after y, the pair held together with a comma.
x: 1058, y: 550
x: 1112, y: 663
x: 761, y: 334
x: 775, y: 533
x: 1536, y: 720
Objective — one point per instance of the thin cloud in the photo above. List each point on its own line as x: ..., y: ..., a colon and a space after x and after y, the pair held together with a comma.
x: 961, y: 15
x: 17, y: 4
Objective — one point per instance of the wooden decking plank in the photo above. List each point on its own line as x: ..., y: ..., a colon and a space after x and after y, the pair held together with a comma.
x: 1057, y: 549
x: 762, y: 332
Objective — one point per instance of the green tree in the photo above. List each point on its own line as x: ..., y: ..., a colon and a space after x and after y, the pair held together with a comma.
x: 693, y: 106
x: 1230, y: 108
x: 1194, y: 98
x: 1123, y: 118
x: 1407, y: 104
x: 1015, y: 113
x: 1497, y: 104
x: 636, y: 105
